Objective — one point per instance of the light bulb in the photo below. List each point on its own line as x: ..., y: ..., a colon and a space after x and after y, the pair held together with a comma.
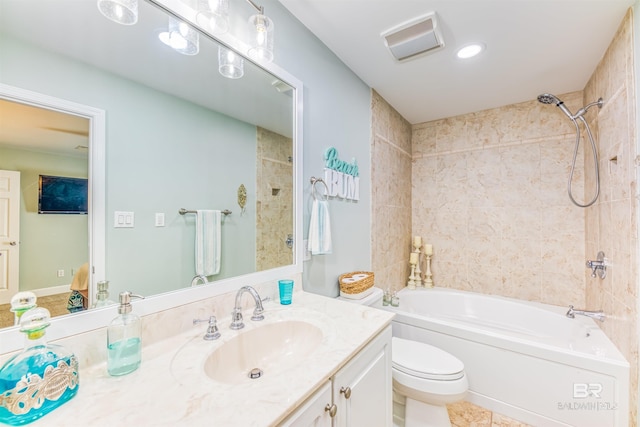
x: 123, y: 12
x: 230, y: 65
x: 262, y: 38
x: 213, y: 14
x: 177, y: 41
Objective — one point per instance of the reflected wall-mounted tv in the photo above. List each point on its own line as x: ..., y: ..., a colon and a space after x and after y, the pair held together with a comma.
x: 62, y: 195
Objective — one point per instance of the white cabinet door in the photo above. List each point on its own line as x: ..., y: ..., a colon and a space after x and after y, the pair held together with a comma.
x: 314, y: 412
x: 362, y: 390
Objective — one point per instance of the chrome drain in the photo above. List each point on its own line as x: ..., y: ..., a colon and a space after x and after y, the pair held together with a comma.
x: 255, y: 373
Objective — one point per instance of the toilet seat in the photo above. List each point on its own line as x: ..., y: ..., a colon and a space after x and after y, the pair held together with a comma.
x: 424, y: 361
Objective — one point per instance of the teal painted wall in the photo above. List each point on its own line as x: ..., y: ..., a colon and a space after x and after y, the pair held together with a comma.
x: 156, y: 161
x: 337, y: 113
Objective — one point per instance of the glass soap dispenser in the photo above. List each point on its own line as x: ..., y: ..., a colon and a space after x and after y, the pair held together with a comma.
x: 124, y: 346
x: 102, y: 297
x: 40, y: 378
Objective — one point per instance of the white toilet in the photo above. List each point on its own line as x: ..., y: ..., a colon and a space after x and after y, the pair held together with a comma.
x: 425, y: 378
x: 428, y: 378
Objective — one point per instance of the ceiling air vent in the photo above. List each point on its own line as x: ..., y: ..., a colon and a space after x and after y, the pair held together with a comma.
x: 414, y: 37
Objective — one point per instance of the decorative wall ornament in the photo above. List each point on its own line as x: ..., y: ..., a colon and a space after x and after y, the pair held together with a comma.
x: 342, y: 178
x: 242, y: 198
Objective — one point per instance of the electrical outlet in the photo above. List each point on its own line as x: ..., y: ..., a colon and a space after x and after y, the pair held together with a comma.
x: 60, y: 273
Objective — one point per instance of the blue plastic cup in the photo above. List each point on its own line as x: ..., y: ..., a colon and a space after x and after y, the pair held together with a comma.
x: 286, y: 291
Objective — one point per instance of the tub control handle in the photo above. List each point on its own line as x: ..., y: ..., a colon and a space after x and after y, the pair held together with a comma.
x: 331, y: 409
x: 346, y: 391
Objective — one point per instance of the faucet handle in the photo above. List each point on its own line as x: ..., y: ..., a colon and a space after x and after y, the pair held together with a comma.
x: 212, y: 331
x: 258, y: 314
x: 571, y: 313
x: 236, y: 319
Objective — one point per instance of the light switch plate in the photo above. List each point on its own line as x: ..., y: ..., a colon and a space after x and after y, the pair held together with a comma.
x: 123, y: 219
x: 159, y: 219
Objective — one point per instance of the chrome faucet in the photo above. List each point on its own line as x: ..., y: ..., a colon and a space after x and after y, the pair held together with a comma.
x: 597, y: 315
x: 598, y: 266
x: 236, y: 314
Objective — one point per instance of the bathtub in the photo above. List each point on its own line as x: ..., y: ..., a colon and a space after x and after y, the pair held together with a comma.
x: 524, y: 360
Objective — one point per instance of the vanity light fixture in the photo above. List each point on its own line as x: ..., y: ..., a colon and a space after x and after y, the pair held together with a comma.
x: 261, y: 35
x: 214, y: 15
x: 470, y: 50
x: 181, y: 37
x: 230, y: 64
x: 123, y: 12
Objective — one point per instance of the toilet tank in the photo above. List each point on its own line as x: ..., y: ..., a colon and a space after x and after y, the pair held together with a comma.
x: 369, y: 297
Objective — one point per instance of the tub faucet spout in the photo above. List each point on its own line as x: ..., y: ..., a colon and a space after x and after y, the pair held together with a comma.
x: 597, y: 315
x: 236, y: 314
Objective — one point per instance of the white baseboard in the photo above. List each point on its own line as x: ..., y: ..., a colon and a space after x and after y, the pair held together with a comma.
x: 53, y: 290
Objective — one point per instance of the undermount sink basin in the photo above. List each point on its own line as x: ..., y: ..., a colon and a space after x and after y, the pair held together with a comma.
x: 263, y: 352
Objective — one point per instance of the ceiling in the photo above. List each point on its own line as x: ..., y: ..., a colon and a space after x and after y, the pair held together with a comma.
x: 38, y: 129
x: 532, y: 47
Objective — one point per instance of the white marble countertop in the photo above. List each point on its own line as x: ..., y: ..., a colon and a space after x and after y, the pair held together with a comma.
x: 171, y: 388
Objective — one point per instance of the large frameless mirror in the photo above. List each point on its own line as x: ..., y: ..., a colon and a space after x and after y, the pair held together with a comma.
x: 177, y: 135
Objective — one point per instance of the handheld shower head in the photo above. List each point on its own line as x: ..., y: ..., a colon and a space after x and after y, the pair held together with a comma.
x: 547, y: 98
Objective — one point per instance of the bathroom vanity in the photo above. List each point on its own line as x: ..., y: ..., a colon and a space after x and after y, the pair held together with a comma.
x: 361, y: 392
x: 319, y: 357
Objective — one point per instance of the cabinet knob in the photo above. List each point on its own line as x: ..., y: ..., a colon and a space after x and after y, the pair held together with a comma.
x: 331, y: 409
x: 346, y: 391
x: 13, y: 243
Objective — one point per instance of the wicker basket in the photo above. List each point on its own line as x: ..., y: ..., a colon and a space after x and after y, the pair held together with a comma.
x: 349, y: 286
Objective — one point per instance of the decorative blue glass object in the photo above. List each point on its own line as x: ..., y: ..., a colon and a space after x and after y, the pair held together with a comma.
x: 40, y: 378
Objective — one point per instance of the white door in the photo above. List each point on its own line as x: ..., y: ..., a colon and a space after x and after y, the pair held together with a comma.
x: 9, y: 234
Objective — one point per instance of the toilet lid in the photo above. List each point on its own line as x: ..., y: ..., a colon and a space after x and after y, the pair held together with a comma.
x: 424, y: 361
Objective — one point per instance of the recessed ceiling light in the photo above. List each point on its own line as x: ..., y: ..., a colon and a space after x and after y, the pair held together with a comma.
x: 470, y: 50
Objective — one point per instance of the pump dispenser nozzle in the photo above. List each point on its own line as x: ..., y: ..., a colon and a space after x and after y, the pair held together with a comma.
x: 125, y: 301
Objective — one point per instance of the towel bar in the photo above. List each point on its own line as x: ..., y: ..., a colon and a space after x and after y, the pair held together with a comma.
x: 183, y: 211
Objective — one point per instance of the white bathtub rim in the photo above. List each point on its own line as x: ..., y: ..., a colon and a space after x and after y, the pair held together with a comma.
x: 611, y: 355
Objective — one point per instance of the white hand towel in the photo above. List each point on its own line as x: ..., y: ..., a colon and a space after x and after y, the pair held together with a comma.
x: 208, y: 242
x: 320, y: 228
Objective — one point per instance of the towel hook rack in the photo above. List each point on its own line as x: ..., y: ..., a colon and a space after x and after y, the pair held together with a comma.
x: 314, y: 189
x: 183, y: 211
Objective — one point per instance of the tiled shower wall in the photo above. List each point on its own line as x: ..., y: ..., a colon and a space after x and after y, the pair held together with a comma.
x: 391, y: 195
x: 611, y: 222
x: 274, y: 210
x: 490, y: 194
